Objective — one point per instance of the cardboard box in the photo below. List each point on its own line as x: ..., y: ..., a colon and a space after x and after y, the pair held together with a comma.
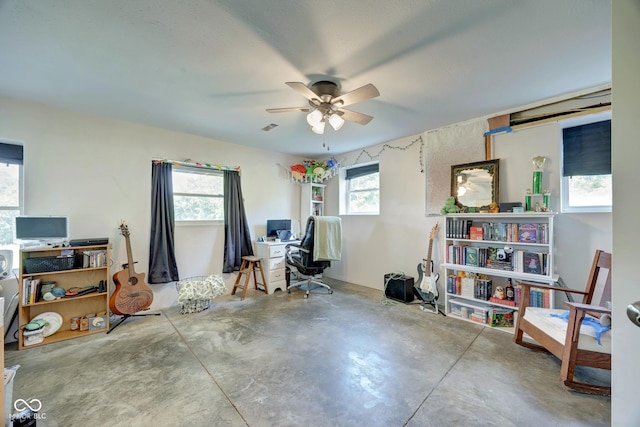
x: 501, y: 317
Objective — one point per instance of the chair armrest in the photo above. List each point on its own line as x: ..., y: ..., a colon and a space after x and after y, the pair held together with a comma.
x: 298, y: 247
x: 524, y: 301
x: 587, y: 307
x: 551, y: 287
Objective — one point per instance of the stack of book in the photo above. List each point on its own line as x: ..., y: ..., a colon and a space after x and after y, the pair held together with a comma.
x: 483, y: 289
x: 31, y: 290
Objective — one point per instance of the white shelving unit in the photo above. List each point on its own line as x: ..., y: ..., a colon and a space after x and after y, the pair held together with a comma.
x: 500, y: 231
x: 311, y: 201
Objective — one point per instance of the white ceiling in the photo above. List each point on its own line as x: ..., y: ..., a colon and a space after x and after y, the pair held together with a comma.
x: 211, y: 68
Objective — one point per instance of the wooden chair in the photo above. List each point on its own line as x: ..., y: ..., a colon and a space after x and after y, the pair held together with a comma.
x: 573, y: 348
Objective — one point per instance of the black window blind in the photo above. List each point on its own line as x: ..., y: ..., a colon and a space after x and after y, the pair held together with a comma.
x: 362, y: 170
x: 11, y: 154
x: 587, y: 149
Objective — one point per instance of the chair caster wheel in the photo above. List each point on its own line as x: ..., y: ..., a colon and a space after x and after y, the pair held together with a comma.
x: 306, y: 296
x: 330, y: 291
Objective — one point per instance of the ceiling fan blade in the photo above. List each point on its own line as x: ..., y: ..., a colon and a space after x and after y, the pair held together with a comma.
x: 287, y: 110
x: 303, y: 90
x: 363, y: 93
x: 353, y: 116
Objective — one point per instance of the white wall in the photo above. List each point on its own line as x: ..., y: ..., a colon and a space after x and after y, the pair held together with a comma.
x: 397, y: 239
x: 577, y: 235
x: 98, y: 172
x: 625, y: 410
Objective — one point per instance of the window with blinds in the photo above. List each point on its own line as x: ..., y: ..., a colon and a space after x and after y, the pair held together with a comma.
x: 362, y: 189
x: 586, y: 164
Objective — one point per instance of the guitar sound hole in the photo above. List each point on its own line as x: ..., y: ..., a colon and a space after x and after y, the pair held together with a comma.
x: 133, y: 280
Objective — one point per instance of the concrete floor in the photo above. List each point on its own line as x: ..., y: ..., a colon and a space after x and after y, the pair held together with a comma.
x: 344, y: 359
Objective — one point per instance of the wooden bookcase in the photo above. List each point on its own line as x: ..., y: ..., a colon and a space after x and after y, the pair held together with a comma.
x: 466, y: 304
x: 77, y: 306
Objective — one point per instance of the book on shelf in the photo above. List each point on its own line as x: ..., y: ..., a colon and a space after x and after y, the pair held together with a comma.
x: 483, y: 289
x: 31, y: 290
x: 528, y: 233
x: 532, y: 263
x: 475, y: 233
x: 480, y: 317
x: 537, y: 297
x: 471, y: 256
x: 504, y: 301
x: 467, y: 287
x: 458, y: 228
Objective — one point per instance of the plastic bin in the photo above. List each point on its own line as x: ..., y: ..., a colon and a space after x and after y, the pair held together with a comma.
x: 468, y: 310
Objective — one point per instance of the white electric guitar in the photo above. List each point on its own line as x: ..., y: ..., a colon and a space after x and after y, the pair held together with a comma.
x: 427, y: 279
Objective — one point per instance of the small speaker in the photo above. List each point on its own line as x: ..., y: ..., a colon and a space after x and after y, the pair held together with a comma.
x: 6, y: 262
x: 398, y: 288
x: 508, y: 206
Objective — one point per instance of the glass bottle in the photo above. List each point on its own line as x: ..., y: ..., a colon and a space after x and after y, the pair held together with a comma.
x: 509, y: 291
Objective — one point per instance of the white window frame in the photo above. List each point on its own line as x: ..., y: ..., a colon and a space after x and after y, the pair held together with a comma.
x: 345, y: 191
x: 14, y: 247
x: 199, y: 171
x: 564, y: 180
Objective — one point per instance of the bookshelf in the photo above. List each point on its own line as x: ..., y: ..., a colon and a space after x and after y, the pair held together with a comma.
x: 311, y: 201
x: 69, y: 267
x: 483, y: 252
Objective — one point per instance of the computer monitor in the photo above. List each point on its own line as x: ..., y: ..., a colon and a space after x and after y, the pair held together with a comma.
x: 42, y: 228
x: 273, y: 225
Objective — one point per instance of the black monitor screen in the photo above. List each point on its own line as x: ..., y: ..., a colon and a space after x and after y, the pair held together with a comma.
x: 273, y: 225
x: 41, y: 227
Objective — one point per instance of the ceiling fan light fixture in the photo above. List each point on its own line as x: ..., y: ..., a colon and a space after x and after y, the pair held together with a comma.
x: 336, y: 121
x: 319, y: 128
x: 314, y: 118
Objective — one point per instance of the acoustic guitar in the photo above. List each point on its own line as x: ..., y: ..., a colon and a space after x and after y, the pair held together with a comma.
x: 427, y: 279
x: 132, y: 294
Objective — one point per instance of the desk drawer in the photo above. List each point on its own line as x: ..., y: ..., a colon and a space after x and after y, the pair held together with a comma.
x: 277, y: 251
x: 277, y: 263
x: 276, y: 275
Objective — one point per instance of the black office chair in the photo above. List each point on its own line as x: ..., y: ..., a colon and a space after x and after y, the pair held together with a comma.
x: 301, y: 263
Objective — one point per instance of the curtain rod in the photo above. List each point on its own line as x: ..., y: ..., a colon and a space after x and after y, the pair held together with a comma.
x: 190, y: 163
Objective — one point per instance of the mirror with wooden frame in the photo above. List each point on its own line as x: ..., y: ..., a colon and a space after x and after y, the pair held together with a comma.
x: 476, y: 185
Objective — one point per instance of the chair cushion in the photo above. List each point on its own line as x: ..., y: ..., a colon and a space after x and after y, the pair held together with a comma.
x: 557, y: 329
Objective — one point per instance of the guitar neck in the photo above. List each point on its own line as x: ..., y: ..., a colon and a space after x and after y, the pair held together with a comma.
x: 428, y: 260
x: 132, y: 271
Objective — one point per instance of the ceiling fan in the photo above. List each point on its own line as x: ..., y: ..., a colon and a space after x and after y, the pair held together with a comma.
x: 326, y: 104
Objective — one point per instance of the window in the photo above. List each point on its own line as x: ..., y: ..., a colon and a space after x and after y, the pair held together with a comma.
x: 10, y: 195
x: 363, y: 189
x: 198, y: 194
x: 586, y: 164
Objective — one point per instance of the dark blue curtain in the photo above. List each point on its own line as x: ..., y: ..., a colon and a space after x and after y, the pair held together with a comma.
x: 237, y: 240
x: 162, y: 258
